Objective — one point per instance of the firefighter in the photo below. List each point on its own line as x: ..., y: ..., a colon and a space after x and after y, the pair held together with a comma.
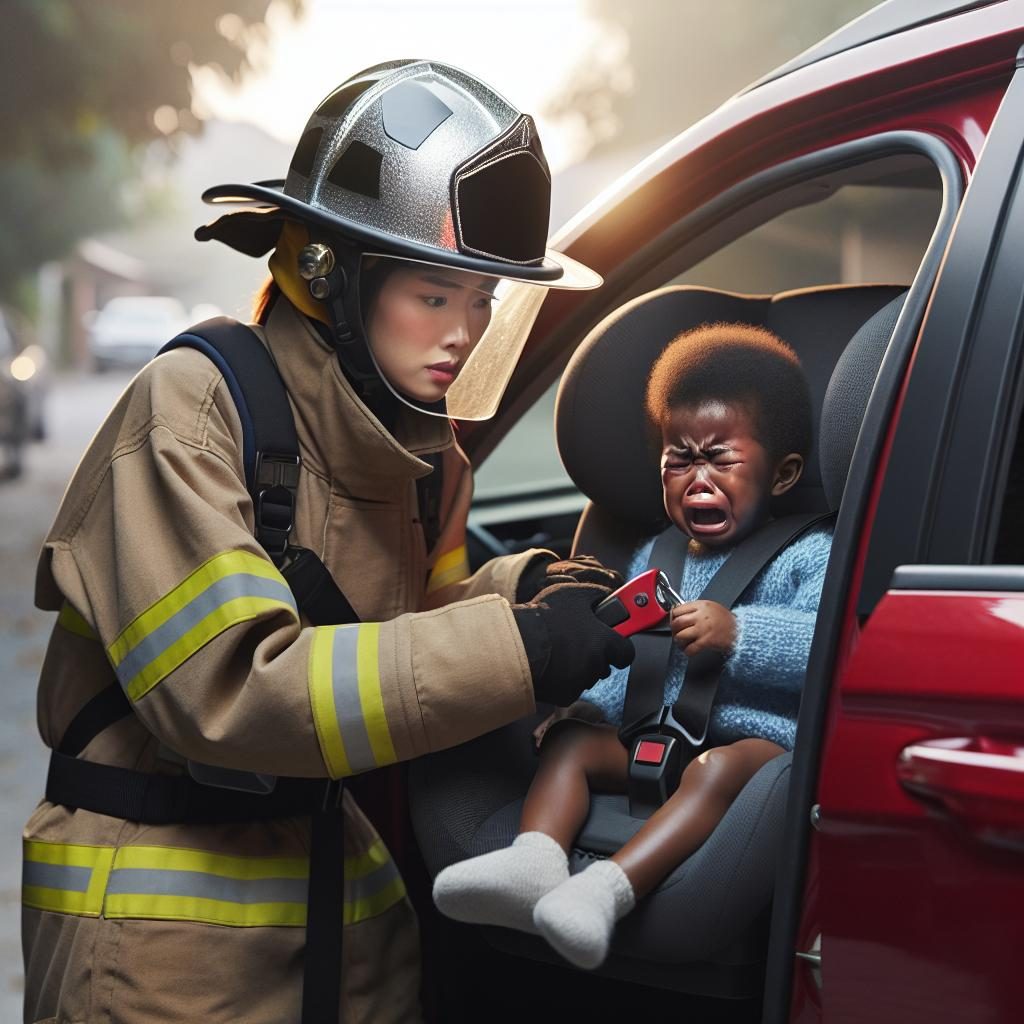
x: 201, y: 718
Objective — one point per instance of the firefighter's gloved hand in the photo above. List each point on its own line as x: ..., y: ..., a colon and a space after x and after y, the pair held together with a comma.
x: 569, y: 648
x: 541, y: 571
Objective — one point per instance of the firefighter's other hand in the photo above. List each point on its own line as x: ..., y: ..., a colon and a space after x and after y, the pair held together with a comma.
x: 548, y: 569
x: 567, y: 646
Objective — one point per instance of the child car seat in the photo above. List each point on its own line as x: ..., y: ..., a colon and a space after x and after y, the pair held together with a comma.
x: 704, y: 929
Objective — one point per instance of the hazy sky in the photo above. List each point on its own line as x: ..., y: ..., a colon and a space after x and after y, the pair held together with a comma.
x: 523, y: 48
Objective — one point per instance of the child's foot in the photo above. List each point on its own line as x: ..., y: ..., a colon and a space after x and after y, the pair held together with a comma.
x: 502, y: 887
x: 578, y: 917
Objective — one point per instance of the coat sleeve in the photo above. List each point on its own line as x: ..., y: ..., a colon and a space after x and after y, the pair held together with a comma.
x: 203, y: 635
x: 450, y: 577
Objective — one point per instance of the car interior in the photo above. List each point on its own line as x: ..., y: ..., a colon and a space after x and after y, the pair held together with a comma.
x: 806, y: 261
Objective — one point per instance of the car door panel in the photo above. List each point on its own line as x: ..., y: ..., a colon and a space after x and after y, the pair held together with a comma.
x: 922, y: 809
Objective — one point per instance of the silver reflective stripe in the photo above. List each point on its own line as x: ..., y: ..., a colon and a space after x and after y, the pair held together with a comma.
x: 347, y: 705
x: 371, y: 884
x: 156, y: 882
x: 55, y: 876
x: 213, y: 597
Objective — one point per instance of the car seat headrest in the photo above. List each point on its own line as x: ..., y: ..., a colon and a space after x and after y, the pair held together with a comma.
x: 846, y: 397
x: 603, y: 438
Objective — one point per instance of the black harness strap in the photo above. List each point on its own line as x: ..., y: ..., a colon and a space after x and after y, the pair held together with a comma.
x: 152, y: 799
x: 645, y: 685
x: 692, y: 710
x: 108, y: 706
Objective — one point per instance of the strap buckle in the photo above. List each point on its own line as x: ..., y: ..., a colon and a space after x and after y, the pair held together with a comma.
x: 276, y: 481
x: 656, y: 746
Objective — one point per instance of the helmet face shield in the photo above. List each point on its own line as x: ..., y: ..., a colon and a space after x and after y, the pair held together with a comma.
x: 445, y: 341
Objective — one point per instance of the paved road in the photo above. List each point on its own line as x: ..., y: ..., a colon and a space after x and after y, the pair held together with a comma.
x: 76, y: 406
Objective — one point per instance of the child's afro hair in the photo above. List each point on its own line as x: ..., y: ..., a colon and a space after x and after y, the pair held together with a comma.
x: 736, y: 364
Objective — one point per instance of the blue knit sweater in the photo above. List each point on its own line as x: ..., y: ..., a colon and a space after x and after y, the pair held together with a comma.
x: 759, y: 689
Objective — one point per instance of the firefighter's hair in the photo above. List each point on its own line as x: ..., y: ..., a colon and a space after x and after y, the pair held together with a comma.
x: 737, y: 364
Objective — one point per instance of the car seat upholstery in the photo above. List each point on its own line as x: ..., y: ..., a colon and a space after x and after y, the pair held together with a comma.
x: 704, y: 929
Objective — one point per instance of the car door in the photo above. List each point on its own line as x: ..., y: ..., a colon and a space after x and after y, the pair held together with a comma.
x: 920, y: 843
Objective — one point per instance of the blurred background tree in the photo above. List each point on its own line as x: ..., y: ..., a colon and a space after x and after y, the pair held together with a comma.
x: 84, y: 85
x: 667, y: 63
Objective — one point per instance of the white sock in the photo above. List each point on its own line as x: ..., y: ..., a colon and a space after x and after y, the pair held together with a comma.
x: 578, y: 917
x: 502, y: 887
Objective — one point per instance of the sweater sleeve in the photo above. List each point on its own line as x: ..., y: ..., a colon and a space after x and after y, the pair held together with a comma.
x: 774, y: 631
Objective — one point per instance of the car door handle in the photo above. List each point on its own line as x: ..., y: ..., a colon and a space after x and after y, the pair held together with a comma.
x: 977, y: 780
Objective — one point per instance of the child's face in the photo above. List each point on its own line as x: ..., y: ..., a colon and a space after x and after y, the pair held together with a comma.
x: 716, y: 474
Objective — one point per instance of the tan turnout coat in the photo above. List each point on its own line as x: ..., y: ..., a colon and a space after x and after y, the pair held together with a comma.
x: 158, y: 581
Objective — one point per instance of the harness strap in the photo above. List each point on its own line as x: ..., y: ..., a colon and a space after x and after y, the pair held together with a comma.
x: 692, y: 709
x: 108, y: 706
x: 645, y: 685
x: 152, y: 799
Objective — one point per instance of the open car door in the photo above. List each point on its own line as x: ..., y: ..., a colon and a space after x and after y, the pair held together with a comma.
x: 919, y: 853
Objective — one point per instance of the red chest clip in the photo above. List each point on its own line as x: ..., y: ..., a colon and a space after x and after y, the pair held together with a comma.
x: 640, y: 604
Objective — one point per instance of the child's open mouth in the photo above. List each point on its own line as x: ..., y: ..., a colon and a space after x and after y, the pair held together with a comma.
x: 707, y: 520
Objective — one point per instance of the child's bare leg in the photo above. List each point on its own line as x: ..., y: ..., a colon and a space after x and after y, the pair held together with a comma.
x: 575, y: 757
x: 502, y: 887
x: 579, y: 916
x: 707, y: 789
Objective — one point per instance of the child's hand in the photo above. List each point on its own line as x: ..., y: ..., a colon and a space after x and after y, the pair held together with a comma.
x: 703, y: 626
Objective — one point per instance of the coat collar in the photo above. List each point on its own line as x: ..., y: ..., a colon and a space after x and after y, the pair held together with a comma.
x: 338, y: 435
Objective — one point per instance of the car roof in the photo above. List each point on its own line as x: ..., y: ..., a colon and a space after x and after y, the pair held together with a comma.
x: 887, y: 19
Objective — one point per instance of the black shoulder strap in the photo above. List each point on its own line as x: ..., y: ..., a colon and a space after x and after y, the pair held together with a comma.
x: 270, y: 445
x: 692, y: 711
x: 270, y: 453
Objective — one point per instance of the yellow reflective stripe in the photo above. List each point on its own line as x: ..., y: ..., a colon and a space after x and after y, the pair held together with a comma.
x: 451, y: 567
x: 321, y: 695
x: 363, y: 909
x: 364, y: 864
x: 229, y: 614
x: 176, y: 858
x: 370, y: 696
x: 73, y: 622
x: 225, y: 564
x: 345, y: 694
x: 232, y: 587
x: 173, y: 884
x: 61, y: 868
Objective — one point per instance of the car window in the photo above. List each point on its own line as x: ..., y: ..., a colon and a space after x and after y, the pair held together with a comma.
x: 862, y: 233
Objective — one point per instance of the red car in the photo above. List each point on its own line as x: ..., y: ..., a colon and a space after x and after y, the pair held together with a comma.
x: 871, y: 187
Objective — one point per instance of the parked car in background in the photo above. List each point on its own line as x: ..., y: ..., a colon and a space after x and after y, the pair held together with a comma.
x: 130, y: 329
x: 23, y: 386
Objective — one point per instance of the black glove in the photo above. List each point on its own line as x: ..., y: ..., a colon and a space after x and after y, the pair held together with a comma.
x: 540, y: 571
x: 568, y: 647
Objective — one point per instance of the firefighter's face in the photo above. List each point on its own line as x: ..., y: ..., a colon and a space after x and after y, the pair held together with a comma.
x: 717, y: 476
x: 424, y: 323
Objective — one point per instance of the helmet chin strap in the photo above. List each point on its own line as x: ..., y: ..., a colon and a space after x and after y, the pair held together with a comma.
x: 332, y: 273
